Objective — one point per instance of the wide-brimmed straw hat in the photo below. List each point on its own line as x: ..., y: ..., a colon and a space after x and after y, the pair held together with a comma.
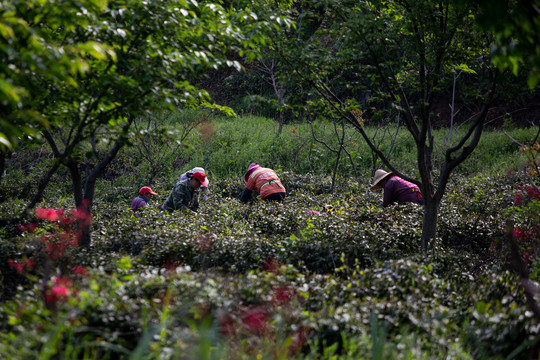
x: 379, y: 176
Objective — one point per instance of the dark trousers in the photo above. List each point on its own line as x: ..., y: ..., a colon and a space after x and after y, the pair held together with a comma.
x: 279, y: 196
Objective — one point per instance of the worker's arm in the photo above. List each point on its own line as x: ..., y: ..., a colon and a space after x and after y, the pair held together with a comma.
x: 246, y: 195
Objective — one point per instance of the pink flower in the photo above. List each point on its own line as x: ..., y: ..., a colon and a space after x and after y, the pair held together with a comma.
x: 66, y: 221
x: 517, y: 233
x: 518, y: 199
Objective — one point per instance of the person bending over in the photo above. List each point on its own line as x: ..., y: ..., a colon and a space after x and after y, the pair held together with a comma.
x: 183, y: 196
x: 263, y: 181
x: 204, y: 188
x: 145, y: 194
x: 396, y: 190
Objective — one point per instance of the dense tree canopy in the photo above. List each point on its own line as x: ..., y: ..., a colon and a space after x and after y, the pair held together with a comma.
x: 105, y: 63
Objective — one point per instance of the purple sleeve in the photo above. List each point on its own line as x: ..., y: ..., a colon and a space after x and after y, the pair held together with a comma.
x: 137, y: 204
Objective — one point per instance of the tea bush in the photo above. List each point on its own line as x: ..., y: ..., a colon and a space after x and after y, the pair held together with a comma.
x: 265, y: 280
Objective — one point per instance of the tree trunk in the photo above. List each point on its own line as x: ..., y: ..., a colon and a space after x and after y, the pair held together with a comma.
x: 280, y: 122
x: 76, y: 181
x: 335, y: 170
x: 429, y: 223
x: 90, y: 186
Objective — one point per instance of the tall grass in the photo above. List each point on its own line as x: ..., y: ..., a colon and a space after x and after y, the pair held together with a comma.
x: 226, y: 146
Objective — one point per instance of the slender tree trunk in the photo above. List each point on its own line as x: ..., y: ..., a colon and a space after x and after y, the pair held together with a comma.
x: 429, y: 223
x: 76, y: 182
x: 335, y: 170
x: 280, y: 122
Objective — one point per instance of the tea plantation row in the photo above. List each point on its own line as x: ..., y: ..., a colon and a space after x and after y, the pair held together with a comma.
x: 271, y: 280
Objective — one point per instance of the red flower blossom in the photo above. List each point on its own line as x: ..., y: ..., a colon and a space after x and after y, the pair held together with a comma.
x: 47, y: 238
x: 19, y: 267
x: 30, y: 263
x: 271, y: 265
x: 57, y: 293
x: 82, y: 215
x: 226, y: 326
x: 60, y: 291
x: 299, y: 339
x: 517, y: 233
x: 79, y: 270
x: 66, y: 221
x: 46, y: 214
x: 65, y: 282
x: 55, y: 249
x: 283, y: 294
x: 27, y: 227
x: 255, y: 320
x: 526, y: 257
x: 518, y: 199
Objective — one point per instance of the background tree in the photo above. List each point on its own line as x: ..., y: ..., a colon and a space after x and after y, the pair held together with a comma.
x: 28, y: 60
x: 402, y: 53
x: 140, y: 56
x: 516, y: 25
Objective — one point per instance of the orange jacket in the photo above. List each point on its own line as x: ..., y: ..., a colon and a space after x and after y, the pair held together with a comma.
x: 265, y: 182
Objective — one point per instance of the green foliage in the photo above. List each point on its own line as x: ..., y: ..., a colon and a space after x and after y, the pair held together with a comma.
x: 515, y: 25
x: 273, y: 280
